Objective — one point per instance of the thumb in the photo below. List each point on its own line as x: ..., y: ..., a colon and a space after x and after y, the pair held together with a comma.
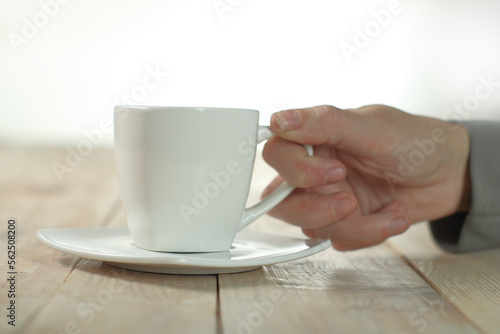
x: 344, y: 129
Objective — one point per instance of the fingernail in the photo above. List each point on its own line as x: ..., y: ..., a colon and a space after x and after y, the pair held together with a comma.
x: 340, y: 247
x: 344, y: 207
x: 309, y: 233
x: 287, y: 119
x: 334, y: 175
x: 398, y: 225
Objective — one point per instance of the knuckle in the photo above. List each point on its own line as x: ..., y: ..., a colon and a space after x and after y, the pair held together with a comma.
x: 314, y: 216
x: 319, y: 211
x: 277, y: 153
x: 348, y: 205
x: 308, y: 174
x: 269, y: 149
x: 325, y: 108
x: 323, y: 111
x: 326, y: 117
x: 333, y: 216
x: 266, y: 155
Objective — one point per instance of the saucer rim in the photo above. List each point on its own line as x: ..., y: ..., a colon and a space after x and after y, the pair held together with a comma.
x: 176, y: 261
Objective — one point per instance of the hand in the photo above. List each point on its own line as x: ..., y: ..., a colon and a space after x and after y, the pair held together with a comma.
x: 375, y: 170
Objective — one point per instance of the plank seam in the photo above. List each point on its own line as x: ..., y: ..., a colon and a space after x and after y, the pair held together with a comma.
x: 436, y: 288
x: 70, y: 272
x: 35, y: 314
x: 218, y: 319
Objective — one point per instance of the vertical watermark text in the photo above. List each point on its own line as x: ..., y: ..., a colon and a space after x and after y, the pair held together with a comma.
x: 11, y: 271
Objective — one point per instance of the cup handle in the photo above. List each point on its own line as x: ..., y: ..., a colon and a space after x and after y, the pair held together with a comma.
x: 252, y: 213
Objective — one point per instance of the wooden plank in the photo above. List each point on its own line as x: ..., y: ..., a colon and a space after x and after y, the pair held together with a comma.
x: 372, y: 290
x: 96, y: 297
x: 90, y: 301
x: 31, y: 192
x: 471, y: 281
x: 365, y: 291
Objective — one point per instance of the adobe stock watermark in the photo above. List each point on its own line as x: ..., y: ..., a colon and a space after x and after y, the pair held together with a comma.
x: 483, y: 91
x: 427, y: 313
x: 93, y: 305
x: 48, y: 9
x: 263, y: 310
x: 222, y: 7
x: 92, y: 138
x: 218, y: 181
x: 422, y: 150
x: 364, y: 35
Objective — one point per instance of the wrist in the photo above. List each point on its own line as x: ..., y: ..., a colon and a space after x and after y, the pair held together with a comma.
x: 461, y: 176
x: 466, y: 197
x: 449, y: 176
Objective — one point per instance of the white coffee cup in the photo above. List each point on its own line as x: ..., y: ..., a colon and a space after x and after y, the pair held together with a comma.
x: 185, y: 173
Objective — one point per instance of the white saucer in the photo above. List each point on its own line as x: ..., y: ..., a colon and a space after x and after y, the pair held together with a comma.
x: 250, y: 250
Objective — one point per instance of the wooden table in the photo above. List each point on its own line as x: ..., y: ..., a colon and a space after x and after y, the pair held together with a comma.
x: 406, y: 285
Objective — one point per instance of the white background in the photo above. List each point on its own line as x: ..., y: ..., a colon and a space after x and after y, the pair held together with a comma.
x: 269, y: 55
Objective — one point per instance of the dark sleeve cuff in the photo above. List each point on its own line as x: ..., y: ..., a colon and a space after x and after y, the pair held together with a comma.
x: 446, y: 231
x: 478, y: 229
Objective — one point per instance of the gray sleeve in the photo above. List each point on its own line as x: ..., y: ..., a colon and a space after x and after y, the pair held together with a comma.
x: 479, y: 228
